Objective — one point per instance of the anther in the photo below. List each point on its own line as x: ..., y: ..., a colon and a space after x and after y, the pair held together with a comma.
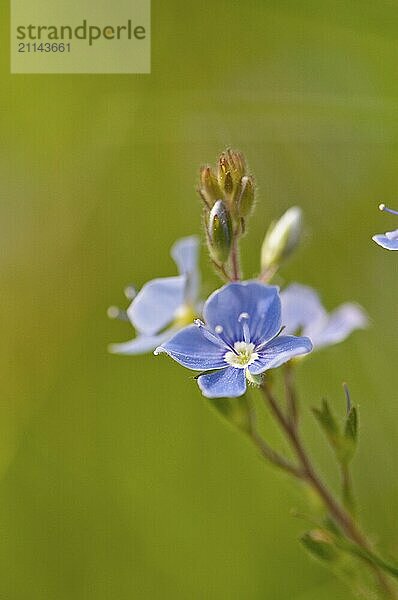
x: 130, y: 292
x: 385, y: 208
x: 212, y: 337
x: 114, y: 312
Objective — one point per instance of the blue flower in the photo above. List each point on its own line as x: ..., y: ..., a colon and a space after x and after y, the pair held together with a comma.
x: 239, y: 339
x: 165, y: 305
x: 303, y: 312
x: 387, y: 240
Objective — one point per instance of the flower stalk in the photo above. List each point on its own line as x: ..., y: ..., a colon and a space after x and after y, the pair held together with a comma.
x: 309, y: 475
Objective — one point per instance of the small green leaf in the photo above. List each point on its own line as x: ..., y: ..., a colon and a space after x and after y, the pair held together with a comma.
x: 328, y: 423
x: 343, y: 443
x: 349, y: 440
x: 351, y: 425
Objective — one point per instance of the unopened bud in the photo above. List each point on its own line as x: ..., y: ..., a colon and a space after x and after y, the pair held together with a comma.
x: 320, y: 544
x: 210, y: 191
x: 281, y: 238
x: 246, y: 198
x: 220, y: 232
x: 231, y: 169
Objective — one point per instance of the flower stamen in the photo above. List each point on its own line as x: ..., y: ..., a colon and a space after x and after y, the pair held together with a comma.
x: 242, y: 356
x: 212, y: 337
x: 385, y: 208
x: 114, y: 312
x: 243, y: 319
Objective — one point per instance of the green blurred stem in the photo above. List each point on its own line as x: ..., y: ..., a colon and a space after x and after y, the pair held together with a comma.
x: 269, y: 453
x: 309, y: 475
x: 291, y: 395
x: 347, y: 491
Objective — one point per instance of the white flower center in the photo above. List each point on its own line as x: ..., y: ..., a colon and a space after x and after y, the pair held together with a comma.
x: 243, y: 356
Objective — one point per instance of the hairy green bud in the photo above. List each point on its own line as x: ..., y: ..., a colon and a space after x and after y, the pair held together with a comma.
x: 231, y: 169
x: 246, y: 198
x: 219, y: 232
x: 281, y: 238
x: 209, y: 189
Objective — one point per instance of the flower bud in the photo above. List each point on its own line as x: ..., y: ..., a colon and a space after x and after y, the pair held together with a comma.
x: 231, y: 169
x: 219, y: 232
x: 320, y: 544
x: 246, y: 198
x: 281, y: 238
x: 210, y: 191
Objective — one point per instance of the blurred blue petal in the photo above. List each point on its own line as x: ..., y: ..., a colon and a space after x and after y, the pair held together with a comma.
x: 185, y: 253
x: 156, y: 304
x: 338, y: 325
x: 300, y: 306
x: 193, y: 350
x: 388, y: 241
x: 142, y: 343
x: 303, y: 312
x: 279, y: 351
x: 261, y: 303
x: 229, y: 382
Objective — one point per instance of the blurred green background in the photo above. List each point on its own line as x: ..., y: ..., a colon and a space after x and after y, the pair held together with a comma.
x: 117, y: 480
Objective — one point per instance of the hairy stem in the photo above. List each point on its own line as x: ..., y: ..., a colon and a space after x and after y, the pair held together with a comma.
x: 221, y: 271
x: 311, y: 477
x: 235, y: 258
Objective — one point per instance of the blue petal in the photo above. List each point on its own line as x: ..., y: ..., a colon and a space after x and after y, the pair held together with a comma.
x: 226, y: 383
x: 301, y: 306
x: 156, y: 304
x: 142, y: 343
x: 388, y: 241
x: 185, y: 254
x: 191, y: 349
x: 261, y: 302
x: 279, y: 351
x: 338, y: 325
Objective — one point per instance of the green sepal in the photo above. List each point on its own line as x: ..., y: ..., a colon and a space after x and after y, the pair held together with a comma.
x: 342, y: 442
x: 246, y: 197
x: 328, y: 423
x: 351, y: 433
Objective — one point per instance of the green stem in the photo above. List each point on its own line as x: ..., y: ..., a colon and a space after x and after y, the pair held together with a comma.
x: 310, y: 476
x: 269, y: 453
x: 291, y: 396
x: 347, y: 491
